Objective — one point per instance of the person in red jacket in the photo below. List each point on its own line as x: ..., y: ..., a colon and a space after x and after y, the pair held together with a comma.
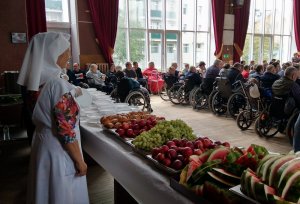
x: 150, y: 70
x: 155, y: 81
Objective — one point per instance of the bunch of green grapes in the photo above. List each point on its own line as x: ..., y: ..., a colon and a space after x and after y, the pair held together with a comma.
x: 163, y: 132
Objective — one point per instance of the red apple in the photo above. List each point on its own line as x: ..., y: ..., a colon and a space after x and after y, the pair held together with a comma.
x: 198, y: 151
x: 155, y: 152
x: 212, y: 146
x: 172, y: 153
x: 176, y: 141
x: 207, y: 142
x: 129, y: 132
x: 171, y: 143
x: 226, y: 144
x: 133, y: 121
x: 154, y: 122
x: 136, y: 132
x: 177, y: 164
x: 198, y: 144
x: 160, y: 157
x: 189, y: 144
x: 125, y: 126
x: 121, y: 132
x: 164, y: 148
x: 136, y: 127
x: 187, y: 152
x: 166, y: 162
x: 180, y: 157
x: 142, y: 123
x: 174, y: 147
x: 148, y: 122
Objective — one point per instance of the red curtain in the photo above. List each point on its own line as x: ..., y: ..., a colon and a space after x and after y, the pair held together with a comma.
x: 104, y: 15
x: 218, y: 12
x: 241, y: 19
x: 297, y: 23
x: 36, y: 17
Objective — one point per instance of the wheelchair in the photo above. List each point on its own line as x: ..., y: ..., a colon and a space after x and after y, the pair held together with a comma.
x: 169, y: 81
x: 173, y: 93
x: 184, y: 92
x: 273, y: 119
x: 123, y: 93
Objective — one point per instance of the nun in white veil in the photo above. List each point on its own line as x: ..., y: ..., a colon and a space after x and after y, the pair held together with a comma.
x: 57, y: 169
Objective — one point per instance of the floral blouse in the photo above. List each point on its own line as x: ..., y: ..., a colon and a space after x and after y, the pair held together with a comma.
x: 65, y: 116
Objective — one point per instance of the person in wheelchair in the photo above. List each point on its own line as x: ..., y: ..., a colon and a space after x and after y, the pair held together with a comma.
x: 234, y: 74
x: 211, y: 73
x: 125, y: 85
x: 170, y: 77
x: 267, y: 80
x: 192, y: 79
x: 97, y: 80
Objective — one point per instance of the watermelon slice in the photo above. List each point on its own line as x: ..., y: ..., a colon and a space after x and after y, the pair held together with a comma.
x: 246, y: 182
x: 253, y: 181
x: 274, y: 199
x: 219, y: 153
x: 285, y: 172
x: 204, y: 156
x: 264, y: 168
x: 231, y: 178
x: 266, y: 158
x: 220, y: 180
x: 183, y: 176
x: 198, y: 189
x: 291, y: 190
x: 262, y: 191
x: 276, y: 165
x: 191, y: 168
x: 194, y: 158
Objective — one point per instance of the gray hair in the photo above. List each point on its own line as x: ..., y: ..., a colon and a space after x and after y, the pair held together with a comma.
x: 93, y: 65
x: 217, y: 62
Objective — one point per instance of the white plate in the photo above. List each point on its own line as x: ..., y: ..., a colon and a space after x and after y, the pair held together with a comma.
x: 85, y: 100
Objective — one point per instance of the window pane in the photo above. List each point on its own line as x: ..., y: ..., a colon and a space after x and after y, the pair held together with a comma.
x: 155, y: 48
x: 122, y: 15
x: 120, y: 53
x: 137, y: 46
x: 256, y: 48
x: 269, y: 17
x: 188, y: 47
x: 276, y: 48
x: 288, y: 12
x: 137, y: 10
x: 155, y: 14
x: 57, y: 10
x: 171, y: 48
x: 267, y: 48
x: 172, y: 14
x: 258, y: 19
x: 250, y: 23
x: 201, y: 47
x: 203, y: 15
x: 188, y: 13
x: 278, y: 14
x: 285, y: 48
x: 247, y: 47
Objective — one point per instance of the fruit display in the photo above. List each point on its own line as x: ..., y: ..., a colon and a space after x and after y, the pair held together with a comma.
x: 221, y: 165
x: 176, y: 153
x: 276, y: 180
x: 163, y: 132
x: 132, y: 124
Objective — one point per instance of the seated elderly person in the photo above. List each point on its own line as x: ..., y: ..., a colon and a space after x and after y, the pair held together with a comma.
x: 269, y: 77
x: 139, y: 74
x: 258, y: 68
x: 170, y: 77
x: 192, y: 79
x: 96, y: 79
x: 128, y: 71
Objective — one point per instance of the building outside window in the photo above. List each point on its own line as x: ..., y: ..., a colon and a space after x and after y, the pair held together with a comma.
x: 164, y: 31
x: 270, y: 31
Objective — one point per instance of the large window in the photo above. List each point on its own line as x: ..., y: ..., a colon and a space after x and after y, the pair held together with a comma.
x: 57, y: 15
x: 270, y: 31
x: 164, y: 31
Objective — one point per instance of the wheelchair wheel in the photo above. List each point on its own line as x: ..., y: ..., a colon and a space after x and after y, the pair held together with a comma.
x: 290, y: 126
x: 201, y: 100
x: 210, y: 98
x: 236, y: 104
x: 219, y: 104
x: 182, y: 96
x: 163, y: 93
x: 172, y: 93
x: 114, y: 95
x: 244, y: 119
x: 136, y: 98
x: 266, y: 125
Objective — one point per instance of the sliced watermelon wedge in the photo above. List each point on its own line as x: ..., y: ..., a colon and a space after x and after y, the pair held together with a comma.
x: 229, y: 177
x: 263, y: 173
x: 192, y: 166
x: 204, y: 156
x: 285, y: 172
x: 276, y: 165
x: 219, y: 153
x: 291, y: 191
x: 266, y: 158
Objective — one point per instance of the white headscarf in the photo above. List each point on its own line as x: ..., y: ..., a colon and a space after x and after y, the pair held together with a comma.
x: 40, y: 59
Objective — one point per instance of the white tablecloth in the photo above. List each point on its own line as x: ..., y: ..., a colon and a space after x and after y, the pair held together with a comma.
x: 136, y: 174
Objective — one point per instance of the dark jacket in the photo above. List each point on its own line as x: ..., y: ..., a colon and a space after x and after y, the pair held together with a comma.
x: 212, y: 72
x: 282, y: 86
x: 193, y: 79
x: 267, y: 79
x: 139, y: 74
x: 234, y: 75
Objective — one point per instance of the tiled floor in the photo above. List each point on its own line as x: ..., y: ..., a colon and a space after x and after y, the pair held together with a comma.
x: 14, y: 161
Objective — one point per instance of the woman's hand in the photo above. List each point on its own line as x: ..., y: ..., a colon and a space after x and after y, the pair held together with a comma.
x: 81, y: 168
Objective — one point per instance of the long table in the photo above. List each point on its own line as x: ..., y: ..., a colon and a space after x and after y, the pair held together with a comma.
x: 143, y: 181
